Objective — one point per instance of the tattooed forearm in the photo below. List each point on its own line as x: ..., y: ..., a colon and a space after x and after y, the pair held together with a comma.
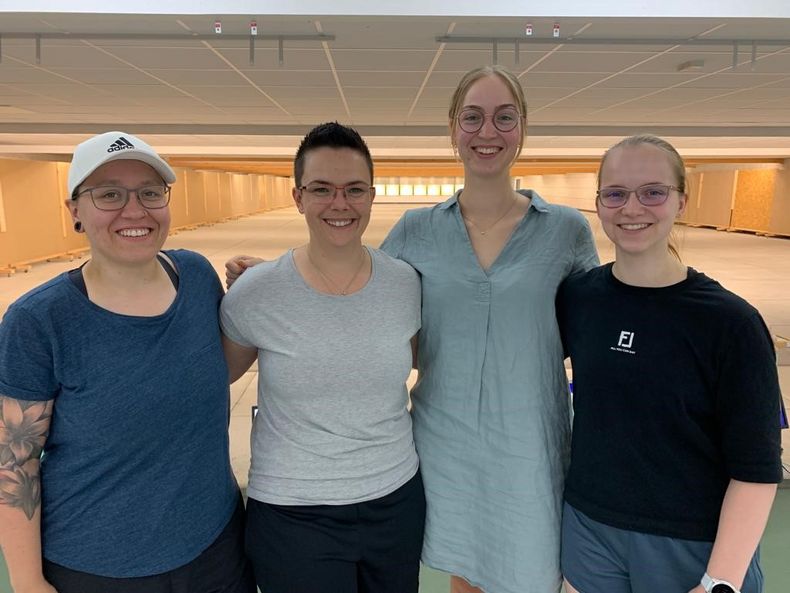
x: 24, y: 426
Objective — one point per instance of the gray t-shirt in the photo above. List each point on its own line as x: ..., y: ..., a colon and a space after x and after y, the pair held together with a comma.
x: 332, y: 427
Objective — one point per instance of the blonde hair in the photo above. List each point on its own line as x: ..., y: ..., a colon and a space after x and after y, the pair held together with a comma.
x: 471, y: 77
x: 675, y: 161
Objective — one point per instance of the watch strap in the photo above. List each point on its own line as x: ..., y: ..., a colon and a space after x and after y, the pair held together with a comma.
x: 709, y: 583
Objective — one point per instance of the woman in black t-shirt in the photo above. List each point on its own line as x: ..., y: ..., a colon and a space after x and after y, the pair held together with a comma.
x: 676, y: 448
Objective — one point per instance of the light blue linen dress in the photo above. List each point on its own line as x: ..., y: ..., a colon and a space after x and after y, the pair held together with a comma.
x: 491, y: 406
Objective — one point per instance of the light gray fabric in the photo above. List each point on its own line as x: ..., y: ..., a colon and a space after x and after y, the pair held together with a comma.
x: 332, y: 426
x: 491, y: 407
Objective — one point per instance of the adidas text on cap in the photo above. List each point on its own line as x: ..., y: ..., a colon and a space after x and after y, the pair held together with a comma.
x: 113, y: 146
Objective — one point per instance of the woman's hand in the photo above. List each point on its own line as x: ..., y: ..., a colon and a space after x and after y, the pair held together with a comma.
x: 236, y: 265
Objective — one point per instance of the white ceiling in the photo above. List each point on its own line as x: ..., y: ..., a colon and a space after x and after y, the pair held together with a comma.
x: 390, y: 77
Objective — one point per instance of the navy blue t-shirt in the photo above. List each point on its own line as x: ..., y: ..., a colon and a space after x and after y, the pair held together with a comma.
x: 136, y: 476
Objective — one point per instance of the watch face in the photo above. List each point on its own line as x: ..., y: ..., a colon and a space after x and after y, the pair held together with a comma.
x: 722, y: 589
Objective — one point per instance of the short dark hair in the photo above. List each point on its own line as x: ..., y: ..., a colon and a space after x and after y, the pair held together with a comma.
x: 330, y: 135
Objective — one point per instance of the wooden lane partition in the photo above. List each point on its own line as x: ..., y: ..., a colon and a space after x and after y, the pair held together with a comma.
x: 741, y: 198
x: 780, y: 209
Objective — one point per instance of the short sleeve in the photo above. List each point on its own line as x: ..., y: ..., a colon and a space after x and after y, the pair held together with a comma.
x: 26, y: 358
x: 396, y: 239
x: 748, y: 404
x: 585, y: 256
x: 231, y: 316
x: 219, y: 291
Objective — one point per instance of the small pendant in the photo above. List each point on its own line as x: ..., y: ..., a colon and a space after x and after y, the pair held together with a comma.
x: 483, y: 232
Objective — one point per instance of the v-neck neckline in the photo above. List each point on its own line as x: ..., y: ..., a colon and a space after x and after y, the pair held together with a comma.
x: 487, y: 272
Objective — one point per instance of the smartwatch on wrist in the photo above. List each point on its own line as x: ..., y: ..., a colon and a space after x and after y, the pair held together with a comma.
x: 712, y: 585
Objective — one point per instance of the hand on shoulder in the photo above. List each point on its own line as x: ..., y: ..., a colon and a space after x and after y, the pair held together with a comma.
x: 236, y: 266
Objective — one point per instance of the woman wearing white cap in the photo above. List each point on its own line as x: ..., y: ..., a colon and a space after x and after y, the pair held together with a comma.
x: 115, y: 371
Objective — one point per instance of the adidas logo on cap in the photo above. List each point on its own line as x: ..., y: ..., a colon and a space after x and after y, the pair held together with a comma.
x: 120, y: 144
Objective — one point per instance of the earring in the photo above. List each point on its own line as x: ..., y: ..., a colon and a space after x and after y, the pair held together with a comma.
x: 77, y: 226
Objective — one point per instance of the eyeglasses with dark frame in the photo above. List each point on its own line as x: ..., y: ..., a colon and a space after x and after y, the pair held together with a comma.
x: 471, y: 119
x: 651, y: 194
x: 113, y: 197
x: 325, y: 192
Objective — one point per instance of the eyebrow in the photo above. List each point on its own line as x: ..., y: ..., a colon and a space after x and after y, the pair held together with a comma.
x: 330, y: 183
x: 621, y: 186
x: 497, y: 108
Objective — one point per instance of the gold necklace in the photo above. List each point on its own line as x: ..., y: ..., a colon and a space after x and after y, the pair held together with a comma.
x: 333, y: 288
x: 496, y: 222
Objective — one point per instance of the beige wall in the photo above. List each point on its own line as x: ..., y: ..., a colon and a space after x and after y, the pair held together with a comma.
x: 571, y: 189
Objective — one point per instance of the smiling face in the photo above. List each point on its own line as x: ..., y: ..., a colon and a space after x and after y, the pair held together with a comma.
x: 636, y: 229
x: 336, y: 223
x: 132, y: 234
x: 488, y: 152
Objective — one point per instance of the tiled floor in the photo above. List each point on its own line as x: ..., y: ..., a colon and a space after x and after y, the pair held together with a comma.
x: 757, y: 268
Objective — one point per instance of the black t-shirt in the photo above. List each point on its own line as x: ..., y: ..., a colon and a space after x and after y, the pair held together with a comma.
x: 675, y: 393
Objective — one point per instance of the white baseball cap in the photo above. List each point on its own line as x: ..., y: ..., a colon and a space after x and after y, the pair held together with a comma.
x: 113, y: 146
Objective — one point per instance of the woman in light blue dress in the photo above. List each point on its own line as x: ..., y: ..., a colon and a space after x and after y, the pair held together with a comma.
x: 491, y: 406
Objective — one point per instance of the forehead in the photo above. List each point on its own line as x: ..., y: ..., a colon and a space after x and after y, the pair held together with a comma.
x: 335, y: 164
x: 123, y: 170
x: 489, y: 91
x: 634, y: 165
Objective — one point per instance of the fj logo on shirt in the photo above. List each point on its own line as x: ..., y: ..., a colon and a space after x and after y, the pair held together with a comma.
x: 624, y: 343
x: 120, y: 144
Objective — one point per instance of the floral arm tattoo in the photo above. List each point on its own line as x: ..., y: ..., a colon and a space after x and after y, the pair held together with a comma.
x: 24, y: 426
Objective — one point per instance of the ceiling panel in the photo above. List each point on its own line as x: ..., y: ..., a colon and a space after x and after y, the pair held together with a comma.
x: 196, y: 77
x: 563, y: 79
x: 169, y: 58
x: 671, y: 62
x: 122, y: 75
x: 399, y: 93
x: 293, y: 59
x: 454, y: 59
x: 294, y: 94
x: 276, y: 77
x: 661, y: 79
x: 387, y: 60
x: 154, y: 90
x: 603, y: 63
x: 377, y: 78
x: 10, y: 74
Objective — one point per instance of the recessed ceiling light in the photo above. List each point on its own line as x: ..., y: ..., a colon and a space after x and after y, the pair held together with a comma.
x: 691, y: 65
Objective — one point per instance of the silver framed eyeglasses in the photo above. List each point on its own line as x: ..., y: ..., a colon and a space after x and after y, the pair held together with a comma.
x: 113, y: 197
x: 325, y: 192
x: 651, y: 194
x: 471, y: 119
